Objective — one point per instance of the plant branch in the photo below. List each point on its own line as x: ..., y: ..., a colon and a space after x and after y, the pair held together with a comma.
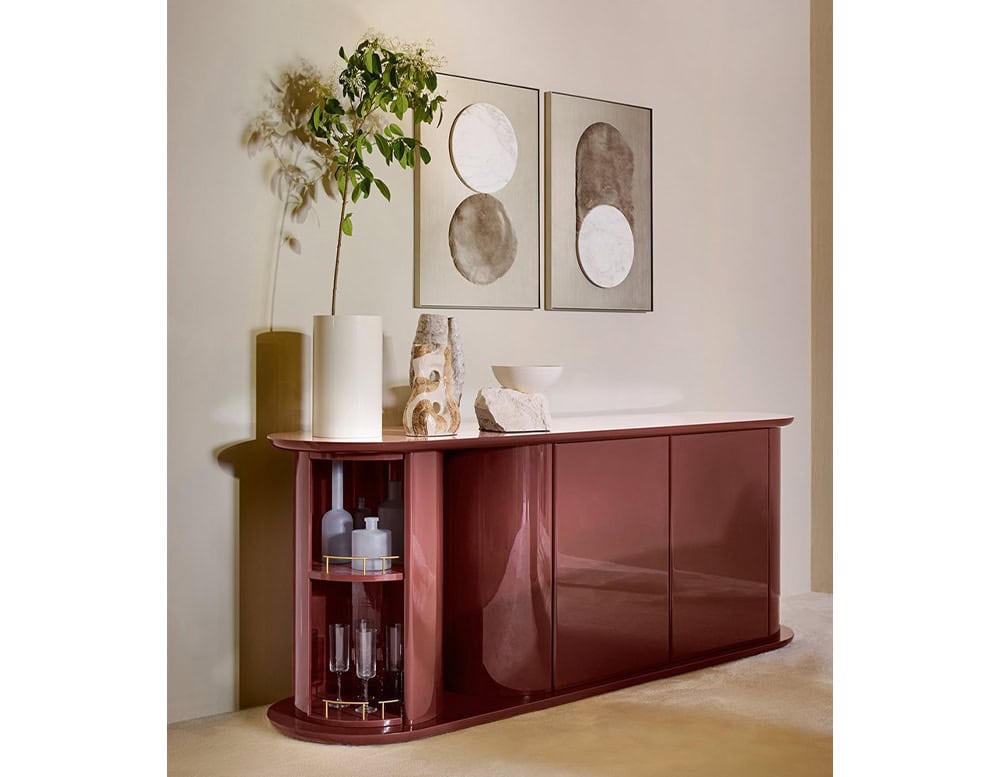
x: 340, y: 231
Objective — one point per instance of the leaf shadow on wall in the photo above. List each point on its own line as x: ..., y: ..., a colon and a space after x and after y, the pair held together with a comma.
x: 264, y: 535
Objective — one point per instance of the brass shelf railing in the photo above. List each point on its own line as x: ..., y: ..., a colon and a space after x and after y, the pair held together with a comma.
x: 364, y: 566
x: 327, y: 703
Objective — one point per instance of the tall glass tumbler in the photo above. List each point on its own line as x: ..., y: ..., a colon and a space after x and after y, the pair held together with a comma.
x: 340, y: 650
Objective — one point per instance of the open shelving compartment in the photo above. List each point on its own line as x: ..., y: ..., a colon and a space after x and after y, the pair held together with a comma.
x: 340, y: 594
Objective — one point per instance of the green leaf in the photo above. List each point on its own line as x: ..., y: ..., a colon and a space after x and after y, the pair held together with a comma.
x: 380, y: 184
x: 347, y: 226
x: 376, y: 64
x: 432, y: 80
x: 425, y: 155
x: 343, y: 56
x: 356, y: 194
x: 398, y: 150
x: 341, y: 180
x: 395, y: 129
x: 369, y: 66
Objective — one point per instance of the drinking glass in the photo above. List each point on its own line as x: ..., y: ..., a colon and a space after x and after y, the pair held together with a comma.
x: 364, y: 657
x: 340, y: 650
x: 394, y: 654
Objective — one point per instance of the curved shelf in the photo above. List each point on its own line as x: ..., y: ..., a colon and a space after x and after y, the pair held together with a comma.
x: 342, y: 573
x: 343, y: 713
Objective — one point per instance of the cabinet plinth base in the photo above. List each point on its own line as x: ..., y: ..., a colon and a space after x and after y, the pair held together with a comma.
x: 463, y: 711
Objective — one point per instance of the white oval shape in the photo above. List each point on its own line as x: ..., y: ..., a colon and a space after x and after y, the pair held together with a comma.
x: 483, y: 147
x: 605, y: 246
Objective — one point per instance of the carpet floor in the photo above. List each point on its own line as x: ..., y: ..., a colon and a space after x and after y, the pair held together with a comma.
x: 770, y: 714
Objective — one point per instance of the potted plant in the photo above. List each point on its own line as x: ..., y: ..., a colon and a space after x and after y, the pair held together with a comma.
x: 380, y: 80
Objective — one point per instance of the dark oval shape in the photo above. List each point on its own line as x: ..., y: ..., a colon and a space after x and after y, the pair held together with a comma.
x: 482, y: 241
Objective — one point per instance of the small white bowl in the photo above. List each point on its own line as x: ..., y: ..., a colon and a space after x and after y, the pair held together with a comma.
x: 528, y: 378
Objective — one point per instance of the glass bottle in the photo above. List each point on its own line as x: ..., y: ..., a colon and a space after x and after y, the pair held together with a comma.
x: 359, y: 513
x: 337, y: 523
x: 390, y: 516
x: 371, y: 543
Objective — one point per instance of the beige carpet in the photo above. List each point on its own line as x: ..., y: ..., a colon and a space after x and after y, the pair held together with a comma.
x: 766, y: 715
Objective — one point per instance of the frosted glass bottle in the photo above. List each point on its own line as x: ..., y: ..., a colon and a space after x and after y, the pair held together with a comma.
x: 390, y: 515
x: 372, y: 542
x: 359, y: 513
x: 337, y: 523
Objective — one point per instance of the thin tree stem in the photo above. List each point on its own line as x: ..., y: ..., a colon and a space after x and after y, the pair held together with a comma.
x: 340, y: 233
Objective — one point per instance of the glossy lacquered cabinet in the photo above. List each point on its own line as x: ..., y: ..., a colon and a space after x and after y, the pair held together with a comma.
x: 541, y: 568
x: 720, y: 540
x: 498, y: 571
x: 611, y: 558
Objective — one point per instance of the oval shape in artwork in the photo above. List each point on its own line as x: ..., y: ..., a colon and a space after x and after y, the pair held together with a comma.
x: 482, y: 240
x: 605, y: 167
x: 605, y: 246
x: 483, y: 147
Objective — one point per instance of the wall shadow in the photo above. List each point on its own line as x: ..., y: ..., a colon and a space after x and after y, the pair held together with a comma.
x: 264, y: 520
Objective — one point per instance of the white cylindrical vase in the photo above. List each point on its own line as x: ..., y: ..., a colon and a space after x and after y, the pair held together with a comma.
x: 347, y: 376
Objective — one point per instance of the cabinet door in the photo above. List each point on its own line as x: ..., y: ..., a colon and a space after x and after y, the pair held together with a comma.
x: 611, y: 558
x: 498, y: 571
x: 719, y: 540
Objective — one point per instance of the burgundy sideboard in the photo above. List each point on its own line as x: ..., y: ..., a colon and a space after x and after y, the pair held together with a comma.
x: 538, y: 568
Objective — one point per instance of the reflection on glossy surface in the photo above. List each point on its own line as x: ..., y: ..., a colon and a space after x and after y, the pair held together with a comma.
x: 422, y: 621
x: 612, y: 578
x: 719, y: 526
x: 498, y: 578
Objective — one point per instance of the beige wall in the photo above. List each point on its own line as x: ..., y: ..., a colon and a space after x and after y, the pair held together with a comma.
x: 821, y: 94
x: 728, y: 83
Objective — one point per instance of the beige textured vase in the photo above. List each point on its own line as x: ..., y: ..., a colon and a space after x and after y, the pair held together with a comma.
x: 347, y: 376
x: 437, y: 370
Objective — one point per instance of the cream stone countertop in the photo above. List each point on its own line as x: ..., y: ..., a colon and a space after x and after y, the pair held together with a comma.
x: 564, y: 429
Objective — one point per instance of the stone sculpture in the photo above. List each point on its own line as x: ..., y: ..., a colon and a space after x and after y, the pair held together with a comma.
x: 437, y: 372
x: 507, y: 410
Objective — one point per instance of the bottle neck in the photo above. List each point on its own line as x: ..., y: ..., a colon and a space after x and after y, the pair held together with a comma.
x: 337, y: 486
x: 395, y: 490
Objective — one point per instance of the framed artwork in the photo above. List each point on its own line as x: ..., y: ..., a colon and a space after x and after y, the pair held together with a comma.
x: 598, y: 204
x: 477, y: 202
